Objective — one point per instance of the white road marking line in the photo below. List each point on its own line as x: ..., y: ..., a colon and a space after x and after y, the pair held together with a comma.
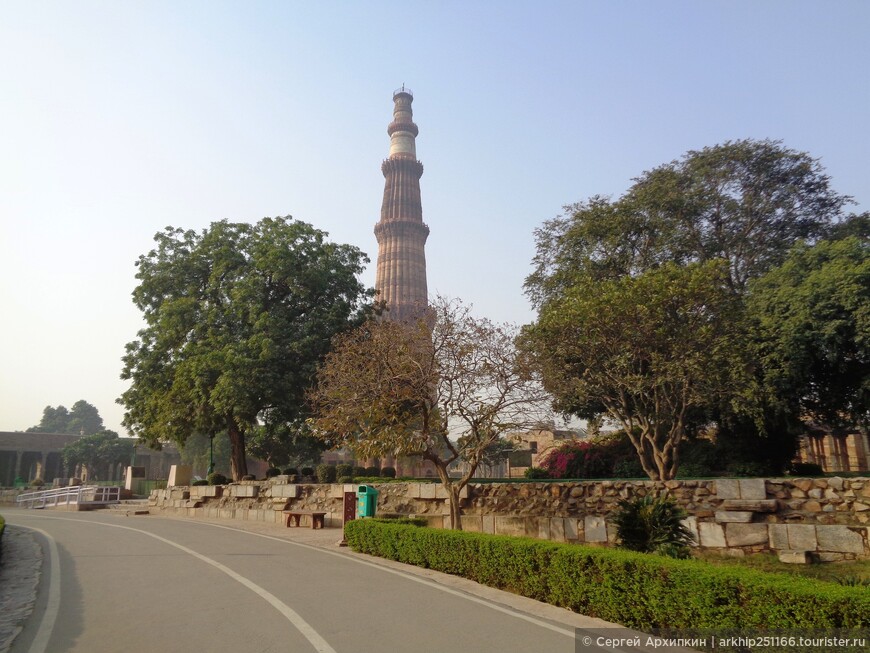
x: 52, y: 608
x: 423, y: 581
x: 319, y: 644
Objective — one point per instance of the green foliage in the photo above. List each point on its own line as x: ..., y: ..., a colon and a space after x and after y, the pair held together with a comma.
x: 291, y: 471
x: 238, y: 317
x: 536, y: 472
x: 744, y: 469
x: 388, y: 472
x: 272, y: 472
x: 812, y: 315
x: 326, y: 473
x: 83, y: 419
x: 197, y: 450
x: 248, y: 477
x: 806, y: 469
x: 199, y: 482
x: 307, y: 471
x: 636, y: 590
x: 694, y: 470
x: 360, y: 471
x: 628, y: 468
x: 345, y: 479
x: 37, y: 482
x: 282, y: 445
x: 648, y: 350
x: 653, y: 525
x: 372, y: 471
x: 343, y: 469
x: 98, y: 452
x: 217, y: 479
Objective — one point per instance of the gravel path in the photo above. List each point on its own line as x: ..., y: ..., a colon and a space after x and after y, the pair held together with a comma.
x: 19, y: 575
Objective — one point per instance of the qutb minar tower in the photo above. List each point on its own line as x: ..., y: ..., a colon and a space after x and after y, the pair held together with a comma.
x: 401, y: 232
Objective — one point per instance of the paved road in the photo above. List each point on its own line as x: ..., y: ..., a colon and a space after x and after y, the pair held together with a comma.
x: 112, y: 584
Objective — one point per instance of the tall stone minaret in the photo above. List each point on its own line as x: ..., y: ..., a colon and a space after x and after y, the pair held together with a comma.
x: 401, y: 232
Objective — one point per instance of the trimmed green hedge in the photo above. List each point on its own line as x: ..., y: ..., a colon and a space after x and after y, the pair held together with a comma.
x: 637, y: 590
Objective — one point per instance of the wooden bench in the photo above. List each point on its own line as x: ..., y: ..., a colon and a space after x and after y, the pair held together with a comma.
x: 317, y: 518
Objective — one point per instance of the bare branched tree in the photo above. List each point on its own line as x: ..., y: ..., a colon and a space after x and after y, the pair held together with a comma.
x: 444, y: 388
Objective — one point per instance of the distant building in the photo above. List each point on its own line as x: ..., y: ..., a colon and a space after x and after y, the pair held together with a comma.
x: 534, y: 445
x: 28, y: 456
x: 835, y: 450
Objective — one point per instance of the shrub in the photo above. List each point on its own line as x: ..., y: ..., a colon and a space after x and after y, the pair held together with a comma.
x: 216, y: 478
x: 637, y: 590
x: 746, y: 469
x: 388, y: 472
x: 199, y: 481
x: 629, y: 468
x: 325, y: 473
x: 806, y: 469
x: 343, y: 470
x: 345, y: 479
x: 359, y: 471
x: 693, y: 470
x: 291, y: 471
x: 37, y: 482
x: 249, y: 477
x: 653, y: 525
x: 536, y: 472
x: 371, y: 471
x: 272, y: 472
x: 307, y: 471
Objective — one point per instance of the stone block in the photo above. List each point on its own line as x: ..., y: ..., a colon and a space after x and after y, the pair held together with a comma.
x: 557, y: 529
x: 746, y: 534
x: 595, y: 529
x: 427, y: 490
x: 839, y: 539
x: 571, y: 530
x: 413, y: 491
x: 440, y: 492
x: 179, y: 475
x: 725, y: 516
x: 336, y: 491
x: 802, y: 537
x: 510, y: 526
x: 752, y: 488
x: 177, y: 493
x: 226, y: 513
x: 543, y: 530
x: 711, y: 535
x: 472, y: 523
x: 488, y: 524
x: 243, y: 491
x: 692, y: 524
x: 290, y: 491
x: 727, y: 488
x: 778, y: 534
x: 752, y: 505
x: 794, y: 557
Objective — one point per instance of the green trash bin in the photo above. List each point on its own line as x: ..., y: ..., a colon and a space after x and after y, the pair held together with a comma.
x: 366, y: 501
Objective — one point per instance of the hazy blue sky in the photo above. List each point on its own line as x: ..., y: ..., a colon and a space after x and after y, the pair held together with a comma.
x: 120, y: 118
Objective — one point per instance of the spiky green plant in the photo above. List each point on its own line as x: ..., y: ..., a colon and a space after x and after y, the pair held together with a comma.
x: 653, y: 525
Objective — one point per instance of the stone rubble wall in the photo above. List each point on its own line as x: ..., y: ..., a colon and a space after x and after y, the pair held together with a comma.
x: 825, y: 519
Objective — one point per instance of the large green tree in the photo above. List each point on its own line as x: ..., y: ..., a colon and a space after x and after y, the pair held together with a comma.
x: 746, y: 202
x: 237, y: 319
x: 646, y: 351
x: 98, y: 452
x: 812, y: 319
x: 82, y: 419
x: 743, y: 203
x: 444, y: 388
x: 283, y: 445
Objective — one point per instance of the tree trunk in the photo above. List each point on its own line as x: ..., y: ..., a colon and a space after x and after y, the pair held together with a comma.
x: 452, y: 495
x: 237, y: 450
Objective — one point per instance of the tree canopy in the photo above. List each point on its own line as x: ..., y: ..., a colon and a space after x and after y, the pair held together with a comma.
x: 736, y: 209
x: 444, y: 388
x: 812, y: 316
x: 238, y: 317
x: 645, y: 351
x: 98, y: 452
x: 83, y: 419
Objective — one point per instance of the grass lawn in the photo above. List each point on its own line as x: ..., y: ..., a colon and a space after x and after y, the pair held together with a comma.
x: 855, y: 572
